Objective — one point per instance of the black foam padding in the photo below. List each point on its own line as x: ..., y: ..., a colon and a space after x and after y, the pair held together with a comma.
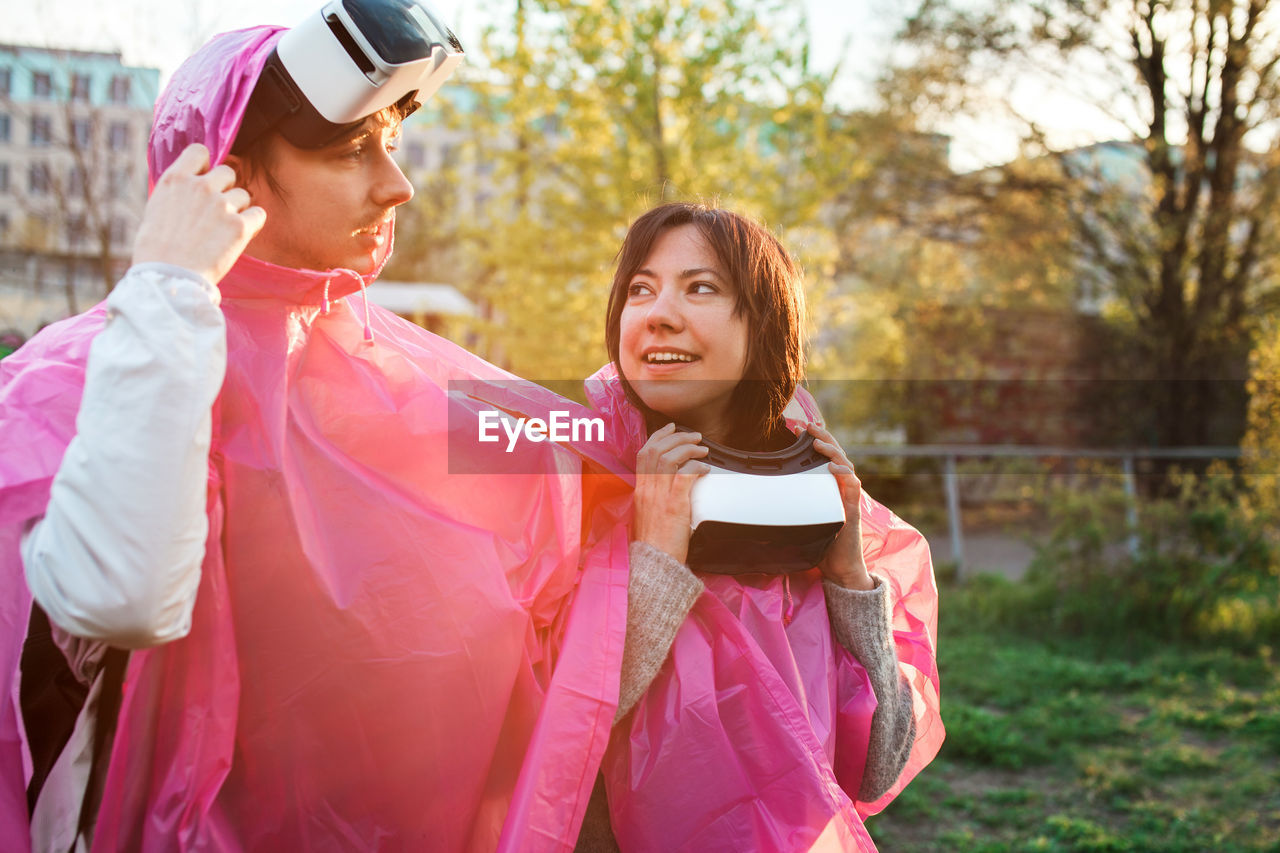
x: 724, y: 548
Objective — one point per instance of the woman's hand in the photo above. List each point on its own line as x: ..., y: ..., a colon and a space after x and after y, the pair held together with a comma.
x: 843, y: 563
x: 666, y: 469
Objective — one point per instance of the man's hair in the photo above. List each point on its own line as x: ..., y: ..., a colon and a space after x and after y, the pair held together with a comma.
x: 770, y: 298
x: 256, y: 157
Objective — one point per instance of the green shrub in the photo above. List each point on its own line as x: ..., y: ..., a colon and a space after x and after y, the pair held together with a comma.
x: 1199, y: 566
x: 982, y: 736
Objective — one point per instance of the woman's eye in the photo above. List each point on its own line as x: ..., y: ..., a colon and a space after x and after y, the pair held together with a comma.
x: 702, y: 287
x: 637, y: 289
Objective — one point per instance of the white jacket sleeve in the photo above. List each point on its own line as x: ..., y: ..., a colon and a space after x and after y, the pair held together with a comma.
x: 116, y: 557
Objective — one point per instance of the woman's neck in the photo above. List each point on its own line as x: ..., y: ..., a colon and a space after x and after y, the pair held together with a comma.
x: 723, y: 431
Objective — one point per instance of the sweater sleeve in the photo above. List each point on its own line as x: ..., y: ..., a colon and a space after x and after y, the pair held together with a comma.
x: 116, y: 557
x: 862, y: 624
x: 661, y: 593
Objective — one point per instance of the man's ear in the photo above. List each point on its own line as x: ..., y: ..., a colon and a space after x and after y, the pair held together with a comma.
x: 240, y: 167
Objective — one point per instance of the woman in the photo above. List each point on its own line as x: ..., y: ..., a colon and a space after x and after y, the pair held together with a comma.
x: 780, y: 709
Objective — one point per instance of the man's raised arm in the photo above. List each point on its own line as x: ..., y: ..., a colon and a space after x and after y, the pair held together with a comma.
x: 116, y: 557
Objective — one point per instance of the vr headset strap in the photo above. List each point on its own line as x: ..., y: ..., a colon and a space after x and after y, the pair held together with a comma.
x: 274, y: 97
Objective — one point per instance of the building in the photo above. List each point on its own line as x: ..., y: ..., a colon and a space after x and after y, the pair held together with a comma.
x: 432, y: 306
x: 73, y: 179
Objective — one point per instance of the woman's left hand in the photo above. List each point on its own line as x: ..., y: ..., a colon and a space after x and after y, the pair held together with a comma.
x: 843, y: 563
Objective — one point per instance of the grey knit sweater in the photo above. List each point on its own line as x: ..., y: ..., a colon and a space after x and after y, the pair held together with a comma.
x: 663, y: 590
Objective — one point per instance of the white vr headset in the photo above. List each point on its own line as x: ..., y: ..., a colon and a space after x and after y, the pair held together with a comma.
x: 773, y: 512
x: 346, y: 62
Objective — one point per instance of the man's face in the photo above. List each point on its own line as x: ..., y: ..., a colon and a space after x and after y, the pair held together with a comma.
x: 331, y: 208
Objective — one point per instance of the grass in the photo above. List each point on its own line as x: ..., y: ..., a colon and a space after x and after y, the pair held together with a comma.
x: 1057, y: 744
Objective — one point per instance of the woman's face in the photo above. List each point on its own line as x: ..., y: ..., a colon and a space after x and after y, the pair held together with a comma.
x: 681, y: 344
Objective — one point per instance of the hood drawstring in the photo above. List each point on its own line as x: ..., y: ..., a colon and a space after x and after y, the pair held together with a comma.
x: 364, y: 293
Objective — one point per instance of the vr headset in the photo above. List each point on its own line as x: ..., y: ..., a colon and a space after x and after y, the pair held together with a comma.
x: 346, y: 62
x: 773, y: 512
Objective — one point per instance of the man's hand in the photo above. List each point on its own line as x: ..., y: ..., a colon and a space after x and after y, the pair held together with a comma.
x: 197, y: 218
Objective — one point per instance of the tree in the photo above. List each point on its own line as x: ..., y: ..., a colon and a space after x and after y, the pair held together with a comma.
x: 1187, y: 245
x: 590, y: 111
x: 1262, y: 439
x: 82, y: 154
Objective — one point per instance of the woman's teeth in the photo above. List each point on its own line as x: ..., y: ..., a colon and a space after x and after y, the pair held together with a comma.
x: 668, y: 357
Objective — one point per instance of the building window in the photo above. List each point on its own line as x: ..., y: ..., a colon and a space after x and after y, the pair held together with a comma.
x: 416, y: 154
x: 119, y: 231
x: 77, y: 229
x: 117, y: 183
x: 4, y: 127
x: 4, y: 177
x: 448, y: 155
x: 81, y: 132
x: 42, y: 84
x: 118, y: 136
x: 119, y: 89
x: 79, y: 87
x: 41, y: 130
x: 38, y: 179
x: 75, y: 182
x: 6, y: 80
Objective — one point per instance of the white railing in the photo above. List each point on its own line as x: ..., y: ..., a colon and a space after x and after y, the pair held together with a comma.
x: 949, y: 453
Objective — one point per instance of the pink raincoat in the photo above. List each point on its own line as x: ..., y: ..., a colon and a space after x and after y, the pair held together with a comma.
x: 385, y: 654
x: 754, y: 734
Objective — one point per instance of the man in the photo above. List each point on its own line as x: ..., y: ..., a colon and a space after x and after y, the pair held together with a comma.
x: 339, y: 642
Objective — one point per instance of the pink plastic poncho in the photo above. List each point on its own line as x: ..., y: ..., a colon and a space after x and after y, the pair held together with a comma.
x: 384, y: 654
x: 754, y: 734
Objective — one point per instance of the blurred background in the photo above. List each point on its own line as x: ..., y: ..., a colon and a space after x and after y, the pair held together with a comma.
x: 1040, y: 243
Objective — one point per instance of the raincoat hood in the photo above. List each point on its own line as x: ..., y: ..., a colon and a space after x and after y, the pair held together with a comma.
x: 384, y: 652
x: 205, y: 102
x: 207, y: 96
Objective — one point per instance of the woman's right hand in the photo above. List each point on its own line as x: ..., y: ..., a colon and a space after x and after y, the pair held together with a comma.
x: 666, y: 469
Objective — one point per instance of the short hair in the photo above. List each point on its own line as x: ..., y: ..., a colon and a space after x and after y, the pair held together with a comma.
x: 770, y: 296
x: 256, y: 155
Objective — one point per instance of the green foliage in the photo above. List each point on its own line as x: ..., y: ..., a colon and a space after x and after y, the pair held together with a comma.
x: 1057, y: 743
x: 1085, y: 835
x: 1174, y: 224
x: 1261, y: 443
x: 1199, y: 566
x: 587, y: 113
x: 983, y: 737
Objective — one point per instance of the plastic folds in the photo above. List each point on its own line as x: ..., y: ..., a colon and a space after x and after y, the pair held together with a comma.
x: 384, y: 655
x: 754, y: 734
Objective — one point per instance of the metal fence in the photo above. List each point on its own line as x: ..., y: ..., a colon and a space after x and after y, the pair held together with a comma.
x: 949, y: 454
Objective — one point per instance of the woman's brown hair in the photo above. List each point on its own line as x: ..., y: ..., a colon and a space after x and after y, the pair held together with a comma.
x: 770, y: 298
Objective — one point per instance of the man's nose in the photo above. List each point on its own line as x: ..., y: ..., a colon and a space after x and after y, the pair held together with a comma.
x: 392, y: 188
